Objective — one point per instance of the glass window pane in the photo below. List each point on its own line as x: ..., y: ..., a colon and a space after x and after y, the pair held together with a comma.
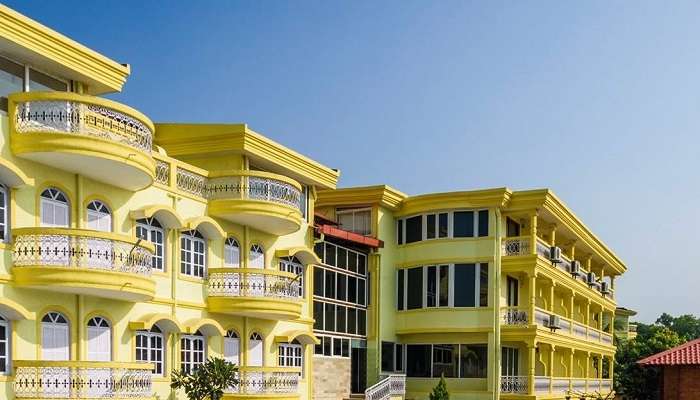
x: 388, y: 356
x: 399, y: 290
x: 330, y: 284
x: 430, y: 226
x: 318, y: 281
x: 442, y: 225
x: 41, y: 82
x: 484, y: 285
x: 399, y: 233
x: 340, y: 319
x: 431, y: 294
x: 361, y: 284
x: 342, y: 258
x: 415, y: 288
x: 352, y: 289
x: 445, y: 360
x: 330, y: 254
x: 11, y: 80
x: 361, y: 264
x: 398, y: 356
x: 352, y: 261
x: 483, y: 223
x: 465, y: 276
x: 352, y: 320
x: 463, y: 224
x: 418, y: 360
x: 473, y: 361
x: 414, y: 229
x: 318, y: 315
x: 444, y: 285
x: 330, y: 317
x: 341, y: 286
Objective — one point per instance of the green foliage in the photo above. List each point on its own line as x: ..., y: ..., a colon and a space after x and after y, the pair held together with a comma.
x: 440, y: 390
x: 642, y: 383
x: 207, y: 382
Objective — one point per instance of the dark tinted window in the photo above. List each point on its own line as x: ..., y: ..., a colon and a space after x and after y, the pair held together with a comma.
x: 361, y: 322
x: 463, y: 224
x: 318, y: 281
x: 414, y: 229
x: 431, y: 295
x: 388, y: 356
x: 484, y: 286
x: 330, y: 254
x: 418, y: 360
x: 318, y: 315
x: 399, y: 290
x: 465, y: 276
x: 329, y: 317
x: 444, y: 284
x: 442, y: 225
x: 398, y: 355
x: 399, y: 233
x: 352, y: 320
x: 330, y: 284
x: 430, y: 226
x: 352, y: 289
x: 483, y: 223
x: 473, y: 361
x: 340, y: 319
x: 342, y: 258
x: 415, y: 288
x: 341, y: 285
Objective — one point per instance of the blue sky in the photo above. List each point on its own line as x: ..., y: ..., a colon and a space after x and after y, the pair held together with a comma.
x: 596, y: 100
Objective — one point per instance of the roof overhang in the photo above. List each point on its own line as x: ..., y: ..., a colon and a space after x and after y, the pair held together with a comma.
x: 303, y: 254
x: 28, y: 41
x: 382, y: 195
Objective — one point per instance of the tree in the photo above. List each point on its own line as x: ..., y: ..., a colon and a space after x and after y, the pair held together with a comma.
x: 208, y: 381
x: 440, y: 391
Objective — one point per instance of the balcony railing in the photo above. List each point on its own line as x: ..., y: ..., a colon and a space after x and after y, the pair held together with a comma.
x: 251, y: 282
x: 82, y: 380
x: 265, y: 380
x: 81, y: 249
x: 514, y: 316
x: 516, y: 246
x: 562, y: 385
x: 573, y: 328
x: 514, y: 384
x: 254, y: 185
x: 388, y: 386
x: 75, y: 114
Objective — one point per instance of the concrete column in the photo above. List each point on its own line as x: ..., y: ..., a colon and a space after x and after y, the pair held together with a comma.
x: 532, y: 350
x: 533, y: 234
x: 531, y: 306
x: 551, y: 367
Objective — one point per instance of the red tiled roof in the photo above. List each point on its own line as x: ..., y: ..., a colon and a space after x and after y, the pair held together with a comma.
x: 685, y: 354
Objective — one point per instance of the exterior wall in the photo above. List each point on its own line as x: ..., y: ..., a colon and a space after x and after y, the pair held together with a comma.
x: 681, y: 382
x: 331, y: 378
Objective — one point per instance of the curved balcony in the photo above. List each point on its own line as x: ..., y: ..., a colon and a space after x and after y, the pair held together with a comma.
x: 258, y: 293
x: 268, y: 202
x: 95, y: 137
x: 280, y: 383
x: 82, y: 380
x: 80, y: 261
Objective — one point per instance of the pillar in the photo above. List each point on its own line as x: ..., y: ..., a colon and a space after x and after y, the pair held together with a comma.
x: 551, y: 297
x: 571, y: 369
x: 533, y: 234
x: 531, y: 306
x: 588, y: 368
x: 531, y: 349
x: 554, y: 235
x: 551, y: 367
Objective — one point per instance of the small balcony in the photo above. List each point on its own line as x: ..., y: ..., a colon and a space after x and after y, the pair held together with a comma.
x: 258, y: 293
x: 38, y: 380
x: 280, y: 383
x: 81, y: 261
x: 268, y: 202
x: 520, y: 317
x: 87, y: 135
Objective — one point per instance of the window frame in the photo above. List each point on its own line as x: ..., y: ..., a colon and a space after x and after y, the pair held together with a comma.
x: 189, y: 267
x: 6, y: 360
x: 402, y: 291
x: 148, y: 335
x: 4, y: 210
x: 228, y: 246
x: 191, y: 364
x: 401, y: 225
x: 147, y: 225
x: 353, y: 212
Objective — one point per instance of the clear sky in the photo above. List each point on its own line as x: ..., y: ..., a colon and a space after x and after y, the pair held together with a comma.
x: 595, y: 100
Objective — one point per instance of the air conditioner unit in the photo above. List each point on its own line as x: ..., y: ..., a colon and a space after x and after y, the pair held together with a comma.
x: 575, y: 268
x: 604, y: 289
x: 592, y: 279
x: 555, y: 255
x: 553, y: 322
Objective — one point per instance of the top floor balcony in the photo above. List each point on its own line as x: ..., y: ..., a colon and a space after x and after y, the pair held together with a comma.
x: 96, y: 137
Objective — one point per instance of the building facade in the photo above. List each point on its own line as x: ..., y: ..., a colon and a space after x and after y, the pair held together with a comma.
x: 507, y: 294
x: 132, y: 249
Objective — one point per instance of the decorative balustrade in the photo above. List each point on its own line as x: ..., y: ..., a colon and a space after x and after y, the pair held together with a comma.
x: 572, y: 328
x: 81, y: 249
x: 70, y: 113
x: 254, y: 185
x: 559, y: 385
x: 514, y: 384
x: 82, y: 380
x: 162, y: 172
x: 265, y: 380
x: 251, y: 282
x: 542, y: 384
x: 516, y: 246
x: 514, y: 316
x: 392, y: 385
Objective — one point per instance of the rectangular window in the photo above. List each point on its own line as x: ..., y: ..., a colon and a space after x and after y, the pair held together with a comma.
x: 444, y: 285
x: 318, y: 281
x: 430, y: 228
x: 442, y: 225
x: 418, y: 360
x: 342, y: 258
x: 39, y: 81
x: 340, y: 319
x: 357, y: 221
x: 337, y: 347
x: 327, y: 343
x: 432, y: 289
x: 361, y: 321
x: 192, y: 349
x: 512, y: 228
x: 483, y: 223
x: 399, y: 231
x: 11, y: 80
x: 399, y: 290
x: 352, y: 289
x: 330, y: 255
x: 4, y: 232
x: 445, y: 360
x: 330, y: 284
x: 352, y: 321
x: 361, y: 289
x: 329, y: 317
x: 345, y: 350
x: 465, y: 280
x: 414, y: 229
x: 398, y: 358
x: 484, y: 285
x: 192, y: 255
x: 361, y: 264
x: 512, y: 289
x: 352, y: 261
x: 463, y: 225
x: 415, y: 288
x: 388, y: 356
x: 155, y: 235
x: 289, y: 355
x: 149, y: 348
x: 341, y: 286
x: 510, y: 361
x: 318, y: 315
x: 318, y: 249
x: 5, y: 368
x: 473, y: 361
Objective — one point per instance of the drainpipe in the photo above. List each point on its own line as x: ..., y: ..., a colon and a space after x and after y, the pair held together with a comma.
x: 497, y: 309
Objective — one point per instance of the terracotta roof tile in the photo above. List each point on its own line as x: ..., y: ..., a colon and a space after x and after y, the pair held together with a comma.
x: 685, y: 354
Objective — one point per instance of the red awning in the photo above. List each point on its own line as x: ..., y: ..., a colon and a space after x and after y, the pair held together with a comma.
x: 332, y: 231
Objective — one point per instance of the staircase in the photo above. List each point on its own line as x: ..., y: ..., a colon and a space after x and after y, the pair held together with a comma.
x: 390, y: 387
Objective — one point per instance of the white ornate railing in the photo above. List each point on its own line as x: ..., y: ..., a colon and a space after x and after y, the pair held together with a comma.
x: 515, y: 246
x: 514, y: 316
x: 74, y: 248
x: 162, y: 172
x: 191, y: 182
x: 266, y: 380
x: 246, y: 185
x: 560, y: 385
x: 251, y: 282
x: 83, y: 118
x: 392, y: 385
x: 82, y: 380
x: 514, y: 384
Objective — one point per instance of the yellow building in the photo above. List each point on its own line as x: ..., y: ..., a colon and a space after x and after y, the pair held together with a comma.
x: 132, y: 249
x: 505, y: 293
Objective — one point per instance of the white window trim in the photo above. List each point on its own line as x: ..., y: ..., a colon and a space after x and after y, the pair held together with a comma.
x: 4, y: 192
x: 6, y: 323
x: 149, y: 229
x: 451, y: 286
x: 147, y: 336
x: 192, y: 351
x: 192, y: 252
x: 450, y: 225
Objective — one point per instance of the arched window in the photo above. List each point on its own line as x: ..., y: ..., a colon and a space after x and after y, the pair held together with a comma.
x: 54, y: 208
x: 232, y: 253
x: 5, y: 367
x: 256, y: 258
x: 150, y: 347
x: 232, y: 347
x: 4, y: 220
x: 290, y: 354
x: 99, y: 217
x: 99, y: 340
x: 255, y: 350
x: 150, y: 229
x: 193, y: 249
x: 293, y: 265
x: 192, y: 351
x: 55, y: 343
